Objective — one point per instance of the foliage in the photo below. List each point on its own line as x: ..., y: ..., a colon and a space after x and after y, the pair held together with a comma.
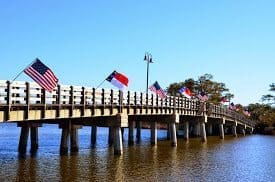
x: 269, y: 98
x: 215, y: 90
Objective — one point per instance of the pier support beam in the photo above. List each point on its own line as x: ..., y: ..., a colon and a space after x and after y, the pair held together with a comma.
x: 121, y: 120
x: 138, y: 125
x: 243, y: 130
x: 234, y: 130
x: 197, y: 129
x: 74, y: 139
x: 23, y: 141
x: 111, y: 136
x: 209, y: 129
x: 221, y: 128
x: 64, y: 140
x: 93, y: 135
x: 34, y: 139
x: 168, y: 136
x: 173, y: 134
x: 154, y: 133
x: 131, y: 133
x: 118, y: 150
x: 186, y: 130
x: 203, y: 131
x: 122, y: 133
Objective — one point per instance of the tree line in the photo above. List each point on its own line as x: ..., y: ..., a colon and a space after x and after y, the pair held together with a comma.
x: 217, y: 91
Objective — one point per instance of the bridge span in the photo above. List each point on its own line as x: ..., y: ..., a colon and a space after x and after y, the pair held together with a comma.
x: 72, y: 107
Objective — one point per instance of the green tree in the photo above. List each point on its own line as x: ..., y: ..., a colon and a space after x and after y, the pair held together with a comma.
x: 205, y: 83
x: 269, y: 98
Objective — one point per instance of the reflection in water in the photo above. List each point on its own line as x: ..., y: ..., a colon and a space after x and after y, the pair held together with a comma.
x: 249, y: 158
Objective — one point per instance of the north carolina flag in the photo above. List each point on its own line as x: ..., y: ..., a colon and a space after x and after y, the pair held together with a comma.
x: 186, y: 92
x: 223, y: 100
x: 118, y: 80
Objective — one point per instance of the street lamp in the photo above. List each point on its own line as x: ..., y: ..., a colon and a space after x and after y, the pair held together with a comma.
x: 149, y: 59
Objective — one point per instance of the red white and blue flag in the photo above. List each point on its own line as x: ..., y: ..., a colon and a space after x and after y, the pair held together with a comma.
x: 118, y: 80
x: 42, y: 75
x: 223, y: 100
x: 186, y: 92
x: 232, y: 106
x: 158, y: 90
x: 246, y: 112
x: 203, y: 96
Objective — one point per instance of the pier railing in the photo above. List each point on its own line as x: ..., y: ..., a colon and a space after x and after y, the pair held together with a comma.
x: 24, y: 94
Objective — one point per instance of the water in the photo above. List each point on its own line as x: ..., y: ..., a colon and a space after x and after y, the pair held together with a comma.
x: 250, y: 158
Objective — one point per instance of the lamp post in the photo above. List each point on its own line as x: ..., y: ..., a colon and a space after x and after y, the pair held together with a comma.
x: 148, y: 58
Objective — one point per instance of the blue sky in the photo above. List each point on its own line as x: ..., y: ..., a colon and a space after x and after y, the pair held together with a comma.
x: 84, y: 41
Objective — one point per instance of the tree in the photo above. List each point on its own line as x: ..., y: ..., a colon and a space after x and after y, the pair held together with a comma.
x: 205, y: 83
x: 269, y: 98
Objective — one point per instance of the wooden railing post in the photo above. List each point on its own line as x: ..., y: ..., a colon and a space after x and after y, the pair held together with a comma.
x: 112, y: 101
x: 8, y: 101
x: 135, y: 102
x: 93, y: 100
x: 83, y: 101
x: 120, y: 97
x: 128, y: 101
x: 58, y: 100
x: 43, y: 101
x: 103, y: 101
x: 27, y: 101
x: 71, y: 101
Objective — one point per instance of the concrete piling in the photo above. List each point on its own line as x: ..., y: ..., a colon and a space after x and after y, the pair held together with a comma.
x: 131, y: 133
x: 186, y: 130
x: 118, y: 150
x: 173, y: 134
x: 93, y: 135
x: 154, y: 132
x: 23, y: 141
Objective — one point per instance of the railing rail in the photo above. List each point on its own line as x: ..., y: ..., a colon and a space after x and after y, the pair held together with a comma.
x: 24, y: 93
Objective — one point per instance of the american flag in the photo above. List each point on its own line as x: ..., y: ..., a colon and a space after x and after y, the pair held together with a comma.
x: 203, y: 96
x: 158, y: 90
x: 42, y: 75
x: 232, y: 106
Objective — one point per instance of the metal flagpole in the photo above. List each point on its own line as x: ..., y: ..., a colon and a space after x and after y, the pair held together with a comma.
x: 22, y: 71
x: 100, y: 83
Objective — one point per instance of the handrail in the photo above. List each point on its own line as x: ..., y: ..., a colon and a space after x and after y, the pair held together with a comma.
x: 25, y: 93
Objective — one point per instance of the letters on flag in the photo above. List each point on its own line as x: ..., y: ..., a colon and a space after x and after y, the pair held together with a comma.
x: 158, y: 90
x: 186, y: 92
x: 118, y: 80
x: 42, y: 75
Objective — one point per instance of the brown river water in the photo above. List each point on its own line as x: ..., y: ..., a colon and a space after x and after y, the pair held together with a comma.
x: 249, y: 158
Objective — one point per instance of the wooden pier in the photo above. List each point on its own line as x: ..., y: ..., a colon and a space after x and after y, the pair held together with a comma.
x: 72, y: 107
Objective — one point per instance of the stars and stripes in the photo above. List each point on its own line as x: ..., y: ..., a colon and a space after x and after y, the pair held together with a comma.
x: 42, y: 75
x: 232, y: 106
x: 158, y: 90
x: 203, y: 96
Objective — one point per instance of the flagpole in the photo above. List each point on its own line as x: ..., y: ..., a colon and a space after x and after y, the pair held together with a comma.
x: 22, y: 71
x: 100, y: 84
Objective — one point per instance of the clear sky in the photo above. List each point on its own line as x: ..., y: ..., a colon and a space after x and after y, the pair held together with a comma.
x: 84, y: 41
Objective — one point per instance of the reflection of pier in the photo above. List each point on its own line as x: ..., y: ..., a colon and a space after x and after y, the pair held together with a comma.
x: 72, y: 107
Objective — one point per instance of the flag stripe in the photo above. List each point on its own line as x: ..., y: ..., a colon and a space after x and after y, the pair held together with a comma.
x: 42, y: 75
x: 158, y: 90
x: 37, y: 79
